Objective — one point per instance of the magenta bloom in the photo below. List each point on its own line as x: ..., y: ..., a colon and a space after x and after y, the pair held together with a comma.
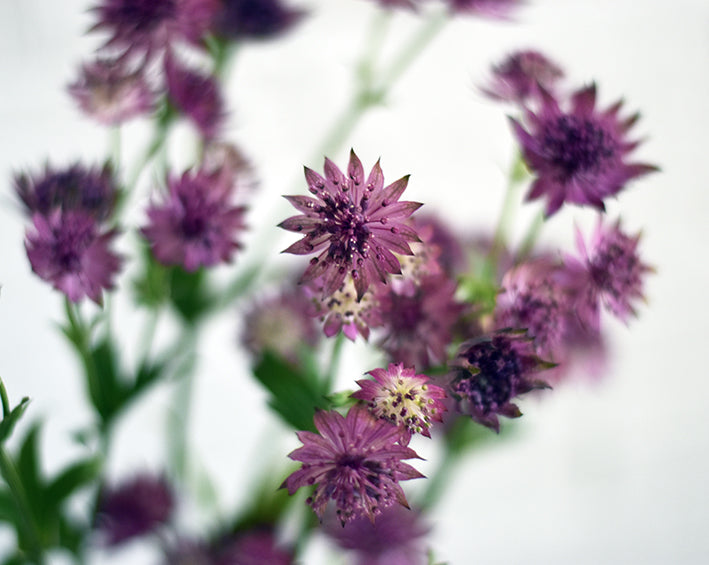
x: 196, y: 226
x: 403, y: 398
x: 355, y: 224
x: 394, y: 539
x: 110, y: 93
x: 89, y: 190
x: 499, y: 9
x: 68, y: 250
x: 196, y: 95
x: 133, y: 509
x: 355, y: 461
x: 579, y: 155
x: 254, y: 19
x: 517, y: 77
x: 609, y: 272
x: 146, y: 27
x: 418, y: 319
x: 489, y: 372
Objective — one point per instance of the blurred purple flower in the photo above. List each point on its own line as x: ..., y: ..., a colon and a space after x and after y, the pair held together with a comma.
x: 355, y: 222
x: 400, y: 396
x: 498, y: 9
x: 489, y: 372
x: 579, y: 155
x: 196, y: 226
x: 134, y: 508
x: 68, y: 250
x: 254, y: 19
x: 517, y: 78
x: 253, y: 547
x: 353, y: 460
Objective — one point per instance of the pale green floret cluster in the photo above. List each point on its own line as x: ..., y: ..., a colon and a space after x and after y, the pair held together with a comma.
x: 404, y: 403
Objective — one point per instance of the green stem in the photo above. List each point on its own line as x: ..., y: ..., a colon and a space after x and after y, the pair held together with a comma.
x: 334, y: 363
x: 115, y: 147
x: 5, y: 400
x: 530, y: 239
x: 441, y: 478
x: 507, y: 213
x: 28, y: 524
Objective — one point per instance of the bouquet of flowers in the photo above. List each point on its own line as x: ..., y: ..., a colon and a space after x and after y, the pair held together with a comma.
x: 445, y: 329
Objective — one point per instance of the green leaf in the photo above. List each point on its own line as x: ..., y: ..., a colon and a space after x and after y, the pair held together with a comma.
x: 294, y: 396
x: 30, y: 473
x: 112, y: 391
x: 8, y: 422
x: 152, y: 287
x: 8, y: 508
x: 74, y: 477
x: 188, y: 293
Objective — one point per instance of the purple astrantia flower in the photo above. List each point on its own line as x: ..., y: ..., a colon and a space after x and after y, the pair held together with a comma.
x: 133, y: 509
x: 403, y: 398
x: 342, y: 311
x: 489, y: 372
x: 354, y: 461
x: 189, y: 552
x: 195, y: 95
x: 67, y: 249
x: 146, y: 27
x: 499, y: 9
x: 578, y: 155
x: 435, y: 233
x: 281, y: 323
x: 518, y: 77
x: 394, y: 539
x: 609, y: 272
x: 110, y: 93
x: 535, y: 297
x: 355, y: 224
x: 255, y: 547
x: 89, y: 190
x: 418, y: 319
x: 197, y: 225
x: 254, y: 19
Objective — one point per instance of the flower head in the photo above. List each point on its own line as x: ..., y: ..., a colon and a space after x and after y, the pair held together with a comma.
x: 134, y: 508
x: 196, y: 226
x: 196, y: 95
x: 518, y: 76
x: 67, y: 249
x: 89, y: 190
x: 354, y: 461
x: 110, y: 93
x: 253, y: 547
x: 403, y: 398
x: 578, y: 155
x: 355, y: 224
x: 499, y: 9
x: 394, y: 539
x: 489, y: 372
x: 254, y: 19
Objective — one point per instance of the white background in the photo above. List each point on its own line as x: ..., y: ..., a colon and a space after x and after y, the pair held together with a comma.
x: 607, y: 472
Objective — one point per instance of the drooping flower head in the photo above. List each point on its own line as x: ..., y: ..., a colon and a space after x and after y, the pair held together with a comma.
x: 254, y: 19
x: 68, y: 249
x: 195, y: 95
x: 609, y: 273
x: 89, y: 190
x: 355, y: 224
x: 110, y: 93
x: 134, y: 508
x: 403, y: 398
x: 517, y: 78
x: 394, y: 539
x: 498, y: 9
x: 489, y: 372
x: 146, y: 27
x: 578, y: 155
x: 354, y: 461
x: 197, y: 224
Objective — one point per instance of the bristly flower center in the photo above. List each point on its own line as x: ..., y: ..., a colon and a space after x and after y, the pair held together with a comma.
x: 348, y: 226
x: 577, y: 145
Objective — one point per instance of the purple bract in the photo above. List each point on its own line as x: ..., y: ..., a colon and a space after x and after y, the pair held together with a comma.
x: 518, y: 76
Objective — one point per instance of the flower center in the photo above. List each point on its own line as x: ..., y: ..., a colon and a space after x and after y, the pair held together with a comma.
x: 348, y: 227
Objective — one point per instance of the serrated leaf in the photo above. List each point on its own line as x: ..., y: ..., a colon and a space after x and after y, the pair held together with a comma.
x: 8, y: 423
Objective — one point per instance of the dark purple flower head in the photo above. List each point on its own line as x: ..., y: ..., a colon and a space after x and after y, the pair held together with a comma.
x: 134, y: 508
x: 342, y: 311
x: 355, y: 223
x: 89, y: 190
x: 68, y: 250
x: 418, y: 319
x: 354, y: 461
x: 609, y: 272
x: 394, y: 539
x: 578, y: 155
x: 195, y: 95
x: 403, y: 398
x: 489, y: 372
x: 254, y: 19
x: 110, y: 93
x: 146, y: 27
x: 189, y: 552
x: 498, y: 9
x: 254, y: 547
x: 197, y: 225
x: 517, y: 77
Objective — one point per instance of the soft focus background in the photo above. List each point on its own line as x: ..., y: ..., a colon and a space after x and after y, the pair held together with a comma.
x: 609, y: 471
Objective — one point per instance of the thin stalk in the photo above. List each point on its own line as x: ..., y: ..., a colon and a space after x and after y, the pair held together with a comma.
x: 115, y: 147
x: 436, y: 484
x: 530, y: 239
x: 507, y: 213
x: 5, y: 400
x: 334, y: 362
